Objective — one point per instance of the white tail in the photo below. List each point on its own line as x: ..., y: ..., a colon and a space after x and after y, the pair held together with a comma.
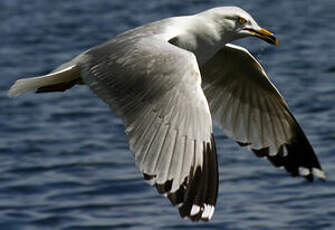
x: 60, y: 76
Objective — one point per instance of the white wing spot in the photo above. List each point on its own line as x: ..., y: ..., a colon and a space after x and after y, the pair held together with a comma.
x: 285, y: 151
x: 318, y: 173
x: 195, y: 210
x: 208, y: 211
x: 304, y: 171
x: 212, y: 212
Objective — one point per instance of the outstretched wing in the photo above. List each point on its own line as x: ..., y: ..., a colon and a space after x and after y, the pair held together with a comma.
x: 250, y: 109
x: 155, y: 88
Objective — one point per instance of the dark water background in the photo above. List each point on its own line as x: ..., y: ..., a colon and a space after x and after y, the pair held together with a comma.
x: 64, y: 158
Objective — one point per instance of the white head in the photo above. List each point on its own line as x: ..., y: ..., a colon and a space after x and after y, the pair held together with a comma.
x: 237, y: 23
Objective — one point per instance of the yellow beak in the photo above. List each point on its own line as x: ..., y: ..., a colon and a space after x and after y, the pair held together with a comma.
x: 266, y: 36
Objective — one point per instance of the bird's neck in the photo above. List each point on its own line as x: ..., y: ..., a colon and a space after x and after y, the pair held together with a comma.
x: 202, y: 38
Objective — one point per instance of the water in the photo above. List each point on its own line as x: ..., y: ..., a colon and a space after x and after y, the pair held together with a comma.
x: 64, y: 159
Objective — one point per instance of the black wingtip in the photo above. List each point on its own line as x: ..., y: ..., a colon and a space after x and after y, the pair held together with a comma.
x: 201, y: 195
x: 297, y: 157
x: 196, y: 197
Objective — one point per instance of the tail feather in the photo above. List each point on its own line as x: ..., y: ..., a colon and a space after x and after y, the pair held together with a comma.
x: 66, y: 76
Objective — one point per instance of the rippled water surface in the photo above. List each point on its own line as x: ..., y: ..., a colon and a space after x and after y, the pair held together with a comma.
x: 64, y: 158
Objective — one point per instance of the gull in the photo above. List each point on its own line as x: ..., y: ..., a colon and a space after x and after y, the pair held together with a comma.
x: 167, y: 80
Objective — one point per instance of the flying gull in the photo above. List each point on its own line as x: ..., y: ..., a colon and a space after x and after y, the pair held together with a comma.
x: 166, y: 80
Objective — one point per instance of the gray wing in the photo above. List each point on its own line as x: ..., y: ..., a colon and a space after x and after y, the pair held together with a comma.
x: 250, y: 109
x: 155, y: 88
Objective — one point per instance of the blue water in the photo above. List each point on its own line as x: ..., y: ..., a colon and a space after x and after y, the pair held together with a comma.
x: 64, y: 158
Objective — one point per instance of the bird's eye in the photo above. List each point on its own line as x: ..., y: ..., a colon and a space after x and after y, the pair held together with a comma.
x: 242, y: 20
